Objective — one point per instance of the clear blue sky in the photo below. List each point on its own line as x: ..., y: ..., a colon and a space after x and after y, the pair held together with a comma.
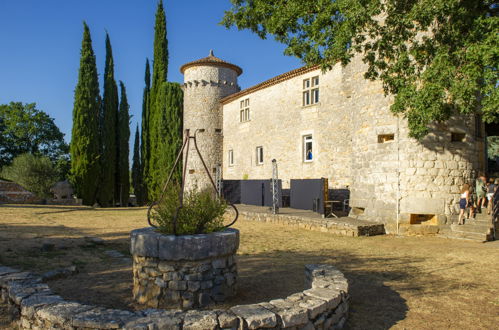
x: 40, y: 47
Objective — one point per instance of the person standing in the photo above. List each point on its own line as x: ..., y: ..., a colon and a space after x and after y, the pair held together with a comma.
x: 463, y: 202
x: 491, y: 188
x: 480, y: 189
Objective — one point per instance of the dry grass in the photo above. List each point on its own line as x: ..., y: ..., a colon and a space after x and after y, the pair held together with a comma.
x: 396, y: 282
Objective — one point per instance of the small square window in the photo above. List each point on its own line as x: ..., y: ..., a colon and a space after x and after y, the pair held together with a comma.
x: 457, y: 137
x: 308, y: 144
x: 259, y: 155
x: 231, y: 157
x: 382, y: 138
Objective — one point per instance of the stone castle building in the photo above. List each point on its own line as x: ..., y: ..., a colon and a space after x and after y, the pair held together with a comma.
x: 333, y: 125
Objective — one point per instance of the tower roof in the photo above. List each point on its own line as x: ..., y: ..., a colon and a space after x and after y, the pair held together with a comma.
x: 211, y: 60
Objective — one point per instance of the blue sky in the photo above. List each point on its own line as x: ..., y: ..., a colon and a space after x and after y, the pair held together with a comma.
x: 40, y: 47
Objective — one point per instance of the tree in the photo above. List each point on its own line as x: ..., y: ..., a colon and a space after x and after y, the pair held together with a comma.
x: 437, y: 57
x: 84, y: 148
x: 156, y: 102
x: 25, y: 129
x: 35, y: 173
x: 136, y: 169
x: 109, y: 149
x: 123, y: 179
x: 168, y: 130
x: 144, y: 147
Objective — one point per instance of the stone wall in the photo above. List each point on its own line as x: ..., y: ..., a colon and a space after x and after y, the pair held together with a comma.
x: 323, y: 305
x: 279, y: 121
x: 185, y: 272
x: 389, y: 180
x: 204, y: 86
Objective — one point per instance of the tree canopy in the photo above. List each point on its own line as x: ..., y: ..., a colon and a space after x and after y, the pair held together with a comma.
x: 437, y: 57
x: 26, y: 129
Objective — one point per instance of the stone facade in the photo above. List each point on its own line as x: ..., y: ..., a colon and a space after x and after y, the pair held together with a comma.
x: 358, y: 144
x: 185, y: 272
x: 324, y: 304
x: 206, y: 82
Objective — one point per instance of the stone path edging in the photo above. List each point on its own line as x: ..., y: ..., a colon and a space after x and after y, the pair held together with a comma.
x: 324, y: 305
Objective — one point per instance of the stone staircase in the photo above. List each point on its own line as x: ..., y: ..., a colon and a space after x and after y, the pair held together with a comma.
x: 479, y: 228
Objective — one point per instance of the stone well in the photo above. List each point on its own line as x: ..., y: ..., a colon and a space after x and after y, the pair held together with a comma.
x: 188, y: 271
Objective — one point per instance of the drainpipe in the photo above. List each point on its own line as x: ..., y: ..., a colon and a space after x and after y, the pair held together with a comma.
x: 398, y: 172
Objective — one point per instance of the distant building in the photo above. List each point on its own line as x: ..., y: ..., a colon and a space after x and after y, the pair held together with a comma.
x: 335, y: 125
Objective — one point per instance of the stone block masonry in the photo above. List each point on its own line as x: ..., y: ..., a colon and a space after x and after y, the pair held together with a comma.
x: 323, y: 305
x: 183, y: 272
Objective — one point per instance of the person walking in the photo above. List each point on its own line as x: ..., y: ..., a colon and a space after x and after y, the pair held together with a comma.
x: 463, y: 202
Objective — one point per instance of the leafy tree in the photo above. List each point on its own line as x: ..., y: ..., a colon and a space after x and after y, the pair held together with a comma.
x: 145, y: 142
x: 25, y: 129
x: 109, y: 134
x: 136, y: 169
x: 35, y: 173
x: 437, y: 57
x: 493, y: 147
x: 123, y: 178
x: 84, y: 148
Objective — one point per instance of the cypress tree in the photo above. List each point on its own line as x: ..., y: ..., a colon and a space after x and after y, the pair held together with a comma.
x: 109, y: 132
x: 169, y: 129
x: 123, y: 148
x: 144, y: 148
x: 156, y: 102
x: 84, y: 148
x: 136, y: 168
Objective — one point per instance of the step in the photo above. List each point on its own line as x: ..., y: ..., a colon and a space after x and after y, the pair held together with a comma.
x: 467, y: 235
x: 469, y: 228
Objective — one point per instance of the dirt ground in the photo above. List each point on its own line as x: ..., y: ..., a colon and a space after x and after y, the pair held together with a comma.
x: 396, y: 282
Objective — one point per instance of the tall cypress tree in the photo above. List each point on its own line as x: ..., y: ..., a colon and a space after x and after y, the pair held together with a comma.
x: 123, y: 148
x: 109, y: 132
x: 84, y: 148
x: 156, y: 102
x: 144, y: 147
x: 136, y: 168
x: 169, y: 129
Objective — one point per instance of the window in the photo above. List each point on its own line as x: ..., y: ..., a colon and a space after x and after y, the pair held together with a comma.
x: 244, y: 111
x: 231, y: 157
x: 457, y: 137
x: 259, y: 155
x: 478, y: 126
x: 311, y: 91
x: 308, y: 144
x: 382, y: 138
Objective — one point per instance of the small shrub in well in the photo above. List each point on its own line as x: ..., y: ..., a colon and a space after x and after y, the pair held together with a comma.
x: 202, y: 212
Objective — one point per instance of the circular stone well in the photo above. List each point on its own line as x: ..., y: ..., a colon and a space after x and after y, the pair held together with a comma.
x: 187, y: 271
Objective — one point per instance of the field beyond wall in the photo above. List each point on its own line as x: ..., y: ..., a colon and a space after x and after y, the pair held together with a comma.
x: 395, y: 282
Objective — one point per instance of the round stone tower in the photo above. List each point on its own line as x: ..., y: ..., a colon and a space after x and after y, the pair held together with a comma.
x: 206, y: 82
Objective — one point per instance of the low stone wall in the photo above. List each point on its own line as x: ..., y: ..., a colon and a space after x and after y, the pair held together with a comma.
x: 185, y: 272
x: 323, y: 305
x: 344, y: 226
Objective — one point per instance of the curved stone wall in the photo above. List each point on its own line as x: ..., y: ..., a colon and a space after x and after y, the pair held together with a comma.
x: 187, y: 271
x: 323, y: 305
x: 204, y: 87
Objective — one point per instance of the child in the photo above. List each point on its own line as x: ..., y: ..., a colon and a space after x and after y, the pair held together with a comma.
x: 463, y: 202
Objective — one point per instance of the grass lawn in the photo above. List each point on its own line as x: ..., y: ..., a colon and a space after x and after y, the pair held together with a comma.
x: 396, y: 282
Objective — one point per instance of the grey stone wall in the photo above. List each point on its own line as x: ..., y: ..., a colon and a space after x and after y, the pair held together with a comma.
x: 204, y: 87
x: 323, y: 305
x: 185, y: 272
x: 387, y: 181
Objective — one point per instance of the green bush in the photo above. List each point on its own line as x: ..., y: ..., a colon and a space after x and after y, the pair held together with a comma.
x: 202, y: 212
x: 35, y: 173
